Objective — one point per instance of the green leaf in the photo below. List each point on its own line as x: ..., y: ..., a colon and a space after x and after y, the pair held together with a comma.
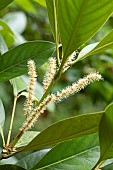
x: 50, y: 9
x: 26, y: 5
x: 4, y: 3
x: 14, y: 62
x: 80, y: 154
x: 2, y: 115
x: 106, y: 134
x: 27, y: 138
x: 80, y: 20
x: 42, y: 2
x: 108, y: 167
x: 6, y: 33
x: 64, y: 130
x: 12, y: 160
x: 30, y: 160
x: 10, y: 167
x: 3, y: 46
x: 19, y: 84
x: 95, y: 48
x: 2, y: 120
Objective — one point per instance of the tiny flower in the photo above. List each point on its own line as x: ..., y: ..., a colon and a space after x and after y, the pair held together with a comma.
x: 50, y: 73
x: 36, y: 113
x: 32, y: 74
x: 77, y: 86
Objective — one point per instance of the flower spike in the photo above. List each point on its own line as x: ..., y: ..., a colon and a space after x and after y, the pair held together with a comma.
x: 33, y: 76
x: 77, y: 86
x: 50, y: 73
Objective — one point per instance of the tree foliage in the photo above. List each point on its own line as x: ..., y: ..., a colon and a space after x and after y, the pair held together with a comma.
x: 78, y: 142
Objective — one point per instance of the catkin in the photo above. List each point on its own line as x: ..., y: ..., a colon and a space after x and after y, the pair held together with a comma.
x: 33, y: 76
x: 36, y: 113
x: 49, y: 74
x: 77, y: 86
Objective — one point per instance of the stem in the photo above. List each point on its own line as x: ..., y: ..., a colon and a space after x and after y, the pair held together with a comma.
x: 56, y: 32
x: 2, y: 135
x: 11, y: 123
x: 16, y: 139
x: 97, y: 166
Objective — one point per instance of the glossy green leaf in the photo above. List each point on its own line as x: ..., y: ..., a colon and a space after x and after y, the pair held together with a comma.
x: 42, y: 2
x: 27, y: 138
x: 6, y: 33
x: 106, y: 134
x: 11, y: 160
x: 51, y: 15
x: 10, y: 167
x: 2, y: 115
x: 86, y: 51
x: 80, y: 154
x: 26, y: 5
x: 4, y: 3
x: 95, y: 48
x: 30, y: 160
x: 19, y: 84
x: 80, y: 20
x: 3, y: 46
x: 14, y: 62
x: 107, y: 165
x: 64, y: 130
x: 2, y: 120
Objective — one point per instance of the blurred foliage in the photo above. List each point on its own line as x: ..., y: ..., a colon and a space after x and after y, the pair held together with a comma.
x: 33, y: 24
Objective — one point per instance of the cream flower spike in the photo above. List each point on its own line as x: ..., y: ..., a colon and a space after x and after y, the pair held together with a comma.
x: 36, y: 113
x: 77, y: 86
x: 50, y: 73
x: 33, y: 76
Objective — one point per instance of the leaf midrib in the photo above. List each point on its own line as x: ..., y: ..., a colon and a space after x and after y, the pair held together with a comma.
x: 94, y: 51
x: 8, y: 68
x: 70, y: 157
x: 60, y: 139
x: 76, y: 24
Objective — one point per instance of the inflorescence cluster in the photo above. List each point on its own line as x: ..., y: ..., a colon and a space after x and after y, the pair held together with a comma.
x: 32, y: 114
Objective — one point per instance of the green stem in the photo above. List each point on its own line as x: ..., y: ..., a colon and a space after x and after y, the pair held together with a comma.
x: 2, y: 135
x: 16, y: 139
x: 56, y: 32
x: 97, y: 166
x: 11, y: 123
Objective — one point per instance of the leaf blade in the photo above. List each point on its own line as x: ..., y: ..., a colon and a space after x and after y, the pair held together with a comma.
x: 6, y: 33
x: 2, y: 114
x: 4, y: 3
x: 78, y: 28
x: 26, y: 138
x: 64, y: 130
x: 105, y: 134
x: 75, y: 157
x: 10, y: 167
x: 31, y: 159
x: 107, y: 42
x: 17, y: 58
